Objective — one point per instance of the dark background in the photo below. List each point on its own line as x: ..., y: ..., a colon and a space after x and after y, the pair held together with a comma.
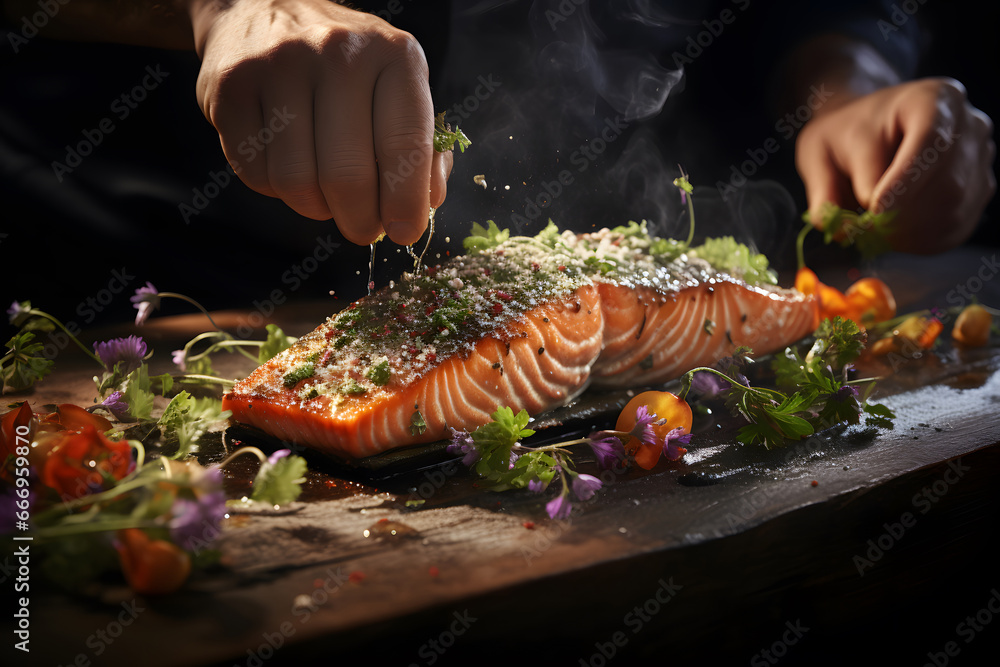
x: 120, y: 208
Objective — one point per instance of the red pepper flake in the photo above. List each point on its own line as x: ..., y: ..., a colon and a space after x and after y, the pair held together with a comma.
x: 814, y: 483
x: 325, y: 358
x: 330, y: 483
x: 412, y: 350
x: 237, y: 443
x: 486, y: 271
x: 530, y: 525
x: 405, y: 319
x: 330, y: 333
x: 431, y: 356
x: 414, y: 334
x: 431, y: 271
x: 318, y: 583
x: 433, y: 571
x: 497, y: 308
x: 535, y: 266
x: 356, y: 577
x: 430, y: 309
x: 562, y: 267
x: 504, y: 296
x: 384, y: 520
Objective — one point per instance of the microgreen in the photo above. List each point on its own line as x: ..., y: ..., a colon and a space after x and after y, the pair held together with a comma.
x: 445, y: 138
x: 24, y: 364
x: 279, y: 480
x: 485, y: 238
x: 868, y: 232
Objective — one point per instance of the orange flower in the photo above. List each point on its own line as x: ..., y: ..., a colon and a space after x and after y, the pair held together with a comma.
x: 78, y: 462
x: 17, y: 428
x: 151, y: 567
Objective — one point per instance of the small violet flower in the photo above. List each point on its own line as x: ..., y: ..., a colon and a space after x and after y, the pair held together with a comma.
x: 278, y: 455
x: 536, y: 485
x: 559, y: 507
x: 513, y: 459
x: 17, y: 311
x: 643, y: 429
x: 130, y: 350
x: 846, y: 394
x: 116, y: 405
x: 672, y: 440
x: 607, y: 448
x: 584, y: 486
x: 146, y: 300
x: 195, y: 523
x: 706, y: 384
x: 179, y: 358
x: 462, y: 443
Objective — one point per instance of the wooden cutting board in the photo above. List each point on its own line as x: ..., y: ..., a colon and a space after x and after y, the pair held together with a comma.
x: 855, y: 545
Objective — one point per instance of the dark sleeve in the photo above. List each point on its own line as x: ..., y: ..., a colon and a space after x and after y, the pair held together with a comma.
x: 890, y: 27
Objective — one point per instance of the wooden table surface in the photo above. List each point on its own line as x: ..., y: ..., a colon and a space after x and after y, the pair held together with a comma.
x: 726, y: 555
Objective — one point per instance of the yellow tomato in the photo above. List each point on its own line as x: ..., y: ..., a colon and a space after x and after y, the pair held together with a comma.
x: 972, y: 328
x: 666, y: 406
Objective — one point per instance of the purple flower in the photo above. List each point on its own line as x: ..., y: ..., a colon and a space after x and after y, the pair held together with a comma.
x: 513, y: 459
x: 846, y: 394
x: 672, y: 440
x: 278, y: 455
x: 116, y: 405
x: 536, y: 485
x: 195, y: 523
x: 462, y: 443
x: 584, y: 486
x: 130, y: 350
x: 607, y: 448
x: 559, y: 507
x: 17, y: 311
x: 643, y: 429
x: 179, y: 357
x: 708, y: 384
x: 146, y: 300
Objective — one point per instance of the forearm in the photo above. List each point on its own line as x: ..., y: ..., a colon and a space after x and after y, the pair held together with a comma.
x: 842, y: 68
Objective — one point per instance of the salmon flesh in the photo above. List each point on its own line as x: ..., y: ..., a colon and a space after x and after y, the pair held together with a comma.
x: 528, y: 324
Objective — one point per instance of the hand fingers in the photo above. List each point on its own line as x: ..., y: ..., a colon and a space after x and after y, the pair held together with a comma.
x: 348, y: 175
x: 235, y: 112
x: 440, y: 170
x: 291, y: 147
x: 823, y: 179
x: 404, y: 130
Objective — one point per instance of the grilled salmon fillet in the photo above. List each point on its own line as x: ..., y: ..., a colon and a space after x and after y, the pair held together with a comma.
x: 527, y: 324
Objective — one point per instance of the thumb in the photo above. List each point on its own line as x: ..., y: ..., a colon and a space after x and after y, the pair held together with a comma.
x: 440, y: 171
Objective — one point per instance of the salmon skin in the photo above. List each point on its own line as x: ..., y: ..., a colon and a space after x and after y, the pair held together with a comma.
x: 528, y: 323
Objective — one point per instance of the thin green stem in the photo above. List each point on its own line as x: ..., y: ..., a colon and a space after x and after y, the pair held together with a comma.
x: 64, y: 530
x: 50, y: 318
x: 800, y: 244
x: 209, y: 379
x: 244, y: 450
x: 197, y: 305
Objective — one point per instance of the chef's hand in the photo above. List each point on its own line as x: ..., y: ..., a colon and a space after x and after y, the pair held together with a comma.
x: 326, y: 108
x: 918, y: 147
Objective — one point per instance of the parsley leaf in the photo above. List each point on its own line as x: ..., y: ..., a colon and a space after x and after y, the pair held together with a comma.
x: 868, y: 232
x: 495, y: 439
x: 279, y: 483
x: 138, y: 394
x: 24, y: 365
x: 190, y: 418
x: 445, y: 138
x: 736, y: 259
x: 276, y: 342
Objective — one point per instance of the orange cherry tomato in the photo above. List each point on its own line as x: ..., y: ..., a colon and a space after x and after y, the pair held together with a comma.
x: 873, y: 299
x: 972, y: 328
x: 151, y: 567
x: 920, y: 331
x: 664, y: 405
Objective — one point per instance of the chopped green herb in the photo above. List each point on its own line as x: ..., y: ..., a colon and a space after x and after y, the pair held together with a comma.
x: 445, y: 138
x: 379, y: 372
x: 351, y: 387
x: 417, y: 423
x: 298, y: 374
